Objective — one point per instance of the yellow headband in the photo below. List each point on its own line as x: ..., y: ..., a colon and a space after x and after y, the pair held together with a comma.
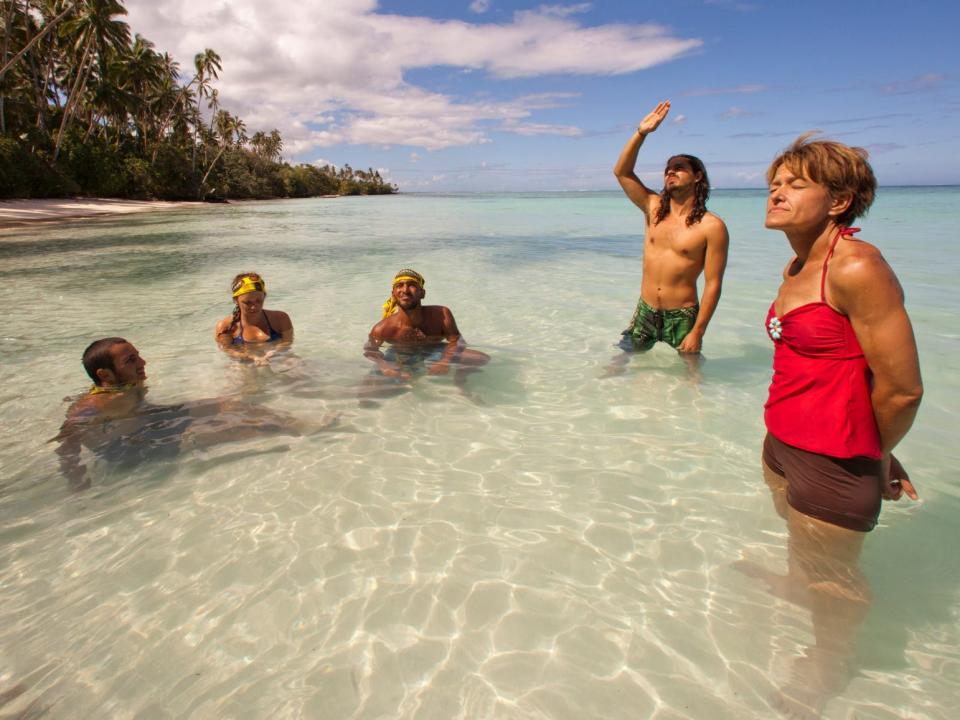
x: 390, y: 306
x: 409, y: 278
x: 248, y: 285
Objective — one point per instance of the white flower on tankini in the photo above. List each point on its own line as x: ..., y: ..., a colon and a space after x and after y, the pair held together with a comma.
x: 775, y: 328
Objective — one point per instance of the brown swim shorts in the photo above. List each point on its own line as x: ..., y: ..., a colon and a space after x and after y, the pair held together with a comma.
x: 840, y: 491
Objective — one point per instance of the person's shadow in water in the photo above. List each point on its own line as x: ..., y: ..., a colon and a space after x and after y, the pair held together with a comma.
x: 914, y: 569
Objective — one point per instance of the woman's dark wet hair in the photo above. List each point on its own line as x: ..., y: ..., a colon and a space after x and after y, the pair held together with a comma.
x: 841, y: 169
x: 97, y: 357
x: 700, y: 193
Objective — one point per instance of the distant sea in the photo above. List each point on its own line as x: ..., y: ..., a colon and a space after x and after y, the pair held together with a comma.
x: 546, y: 545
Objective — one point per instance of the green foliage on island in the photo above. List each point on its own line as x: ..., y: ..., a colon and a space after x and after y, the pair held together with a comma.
x: 87, y: 110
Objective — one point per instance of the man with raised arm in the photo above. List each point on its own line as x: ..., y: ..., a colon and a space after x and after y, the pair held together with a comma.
x: 682, y: 241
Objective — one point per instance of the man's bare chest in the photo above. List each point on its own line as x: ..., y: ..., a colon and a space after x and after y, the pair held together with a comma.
x: 684, y: 243
x: 413, y: 334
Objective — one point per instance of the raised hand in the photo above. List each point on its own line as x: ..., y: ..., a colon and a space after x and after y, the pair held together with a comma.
x: 652, y: 121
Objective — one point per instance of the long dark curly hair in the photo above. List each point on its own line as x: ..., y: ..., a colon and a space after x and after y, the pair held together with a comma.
x: 701, y: 192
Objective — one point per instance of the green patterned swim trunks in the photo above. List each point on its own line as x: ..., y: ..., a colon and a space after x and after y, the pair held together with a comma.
x: 650, y: 326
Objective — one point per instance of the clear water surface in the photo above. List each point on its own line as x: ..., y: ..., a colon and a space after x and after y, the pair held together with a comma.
x: 560, y: 548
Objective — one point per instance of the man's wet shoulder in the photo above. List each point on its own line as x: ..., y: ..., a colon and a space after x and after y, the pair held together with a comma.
x: 386, y: 327
x: 436, y: 310
x: 383, y: 326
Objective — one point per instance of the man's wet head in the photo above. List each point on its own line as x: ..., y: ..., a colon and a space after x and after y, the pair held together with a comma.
x: 114, y: 362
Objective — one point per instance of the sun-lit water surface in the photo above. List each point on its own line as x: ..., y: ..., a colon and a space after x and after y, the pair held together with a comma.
x: 561, y: 548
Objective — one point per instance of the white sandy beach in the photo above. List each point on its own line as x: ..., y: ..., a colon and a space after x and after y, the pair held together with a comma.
x: 19, y: 213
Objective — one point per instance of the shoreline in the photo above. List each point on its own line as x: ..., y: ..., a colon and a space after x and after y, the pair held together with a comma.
x: 17, y: 214
x: 25, y: 212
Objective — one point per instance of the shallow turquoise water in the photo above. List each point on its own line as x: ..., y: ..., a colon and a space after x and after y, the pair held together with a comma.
x: 561, y: 549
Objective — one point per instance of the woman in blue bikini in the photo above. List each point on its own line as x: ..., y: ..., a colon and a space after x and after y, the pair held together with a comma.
x: 250, y: 323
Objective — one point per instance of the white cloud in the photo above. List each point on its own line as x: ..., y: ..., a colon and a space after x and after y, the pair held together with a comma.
x: 920, y: 83
x: 522, y: 128
x: 748, y: 89
x: 545, y: 101
x: 880, y: 148
x: 735, y: 112
x: 424, y: 182
x: 480, y: 6
x: 564, y: 10
x: 327, y: 73
x: 680, y: 120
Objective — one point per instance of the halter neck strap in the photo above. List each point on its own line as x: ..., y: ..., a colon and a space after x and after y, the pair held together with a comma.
x: 843, y: 231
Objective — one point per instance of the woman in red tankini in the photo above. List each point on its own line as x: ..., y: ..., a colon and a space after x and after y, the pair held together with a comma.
x: 846, y: 387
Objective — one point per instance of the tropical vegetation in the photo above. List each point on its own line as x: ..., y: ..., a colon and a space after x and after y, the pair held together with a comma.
x: 88, y: 109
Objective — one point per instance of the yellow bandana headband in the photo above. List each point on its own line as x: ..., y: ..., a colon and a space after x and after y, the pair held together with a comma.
x: 390, y: 306
x: 248, y: 285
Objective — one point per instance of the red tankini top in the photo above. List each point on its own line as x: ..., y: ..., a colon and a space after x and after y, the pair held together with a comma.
x: 819, y: 398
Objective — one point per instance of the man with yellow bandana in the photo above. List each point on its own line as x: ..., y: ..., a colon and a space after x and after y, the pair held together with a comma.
x: 418, y: 333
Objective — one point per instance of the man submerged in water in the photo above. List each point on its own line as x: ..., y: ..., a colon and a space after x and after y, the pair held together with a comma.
x: 682, y: 241
x: 421, y: 336
x: 115, y: 422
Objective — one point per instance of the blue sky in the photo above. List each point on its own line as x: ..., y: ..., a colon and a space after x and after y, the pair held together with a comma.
x: 490, y: 95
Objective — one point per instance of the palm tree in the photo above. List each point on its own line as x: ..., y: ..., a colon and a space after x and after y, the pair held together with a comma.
x: 231, y: 130
x: 266, y: 146
x: 143, y: 72
x: 257, y: 143
x: 274, y: 146
x: 92, y: 32
x: 165, y: 96
x: 73, y: 63
x: 208, y: 65
x: 43, y: 57
x: 48, y: 26
x: 112, y: 104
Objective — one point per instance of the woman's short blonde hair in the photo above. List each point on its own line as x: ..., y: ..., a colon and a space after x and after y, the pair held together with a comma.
x: 842, y: 169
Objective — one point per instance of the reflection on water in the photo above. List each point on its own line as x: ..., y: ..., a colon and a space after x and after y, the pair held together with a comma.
x: 564, y: 549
